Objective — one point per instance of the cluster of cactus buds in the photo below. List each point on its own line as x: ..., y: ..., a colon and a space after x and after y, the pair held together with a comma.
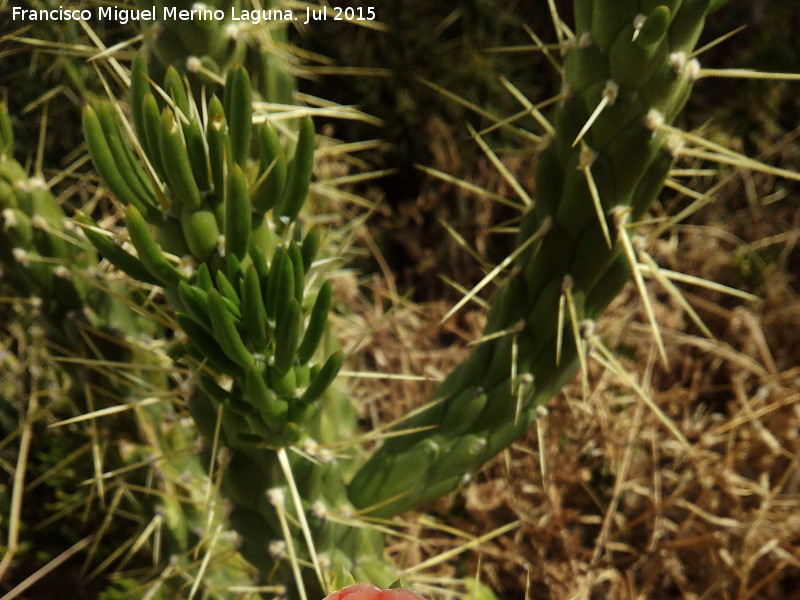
x: 244, y: 308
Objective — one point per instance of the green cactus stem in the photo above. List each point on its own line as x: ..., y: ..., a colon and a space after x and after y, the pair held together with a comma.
x: 627, y: 71
x: 255, y: 332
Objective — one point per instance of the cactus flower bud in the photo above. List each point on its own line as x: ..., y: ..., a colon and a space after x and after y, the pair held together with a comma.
x: 367, y: 591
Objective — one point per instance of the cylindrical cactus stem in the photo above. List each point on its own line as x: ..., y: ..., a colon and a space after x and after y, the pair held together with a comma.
x: 627, y: 72
x: 249, y: 317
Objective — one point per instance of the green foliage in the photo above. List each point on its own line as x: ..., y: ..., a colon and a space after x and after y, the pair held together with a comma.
x: 205, y: 50
x: 71, y: 316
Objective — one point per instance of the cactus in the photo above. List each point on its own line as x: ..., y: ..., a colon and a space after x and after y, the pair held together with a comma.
x: 245, y: 312
x: 205, y: 49
x: 255, y: 335
x: 627, y: 73
x: 213, y: 206
x: 242, y: 309
x: 45, y: 257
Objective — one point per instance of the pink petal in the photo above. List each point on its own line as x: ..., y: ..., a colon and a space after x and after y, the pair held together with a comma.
x: 367, y: 591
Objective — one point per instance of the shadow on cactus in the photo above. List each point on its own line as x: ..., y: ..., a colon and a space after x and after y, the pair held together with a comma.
x: 206, y: 48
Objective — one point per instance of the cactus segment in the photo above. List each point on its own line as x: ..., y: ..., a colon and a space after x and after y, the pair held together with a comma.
x: 627, y: 70
x: 206, y: 345
x: 198, y: 155
x: 219, y: 146
x: 195, y: 304
x: 225, y: 331
x: 128, y: 164
x: 272, y: 170
x: 298, y: 177
x: 238, y: 217
x: 203, y: 278
x: 274, y: 411
x: 323, y: 379
x: 280, y: 286
x: 173, y: 86
x: 293, y: 252
x: 140, y: 86
x: 236, y: 102
x: 259, y: 262
x: 113, y: 253
x: 283, y: 385
x: 654, y: 26
x: 170, y: 237
x: 227, y: 289
x: 287, y: 333
x: 6, y: 132
x: 317, y: 322
x: 148, y: 249
x: 254, y: 314
x: 106, y: 164
x: 200, y: 231
x: 609, y: 17
x: 715, y: 5
x: 310, y: 246
x: 151, y: 121
x: 461, y: 416
x: 175, y: 158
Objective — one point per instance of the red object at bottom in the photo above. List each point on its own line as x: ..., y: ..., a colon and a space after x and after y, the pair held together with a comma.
x: 367, y: 591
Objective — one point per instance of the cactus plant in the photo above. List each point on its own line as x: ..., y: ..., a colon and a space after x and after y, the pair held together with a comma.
x: 205, y: 49
x: 60, y: 271
x: 254, y: 332
x: 627, y: 72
